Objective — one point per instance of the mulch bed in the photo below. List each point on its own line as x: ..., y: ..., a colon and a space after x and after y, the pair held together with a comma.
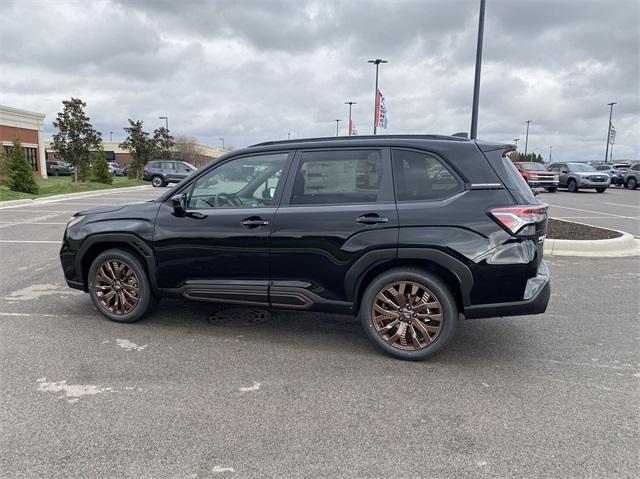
x: 558, y: 229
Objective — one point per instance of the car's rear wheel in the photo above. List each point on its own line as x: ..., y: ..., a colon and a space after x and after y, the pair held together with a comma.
x: 409, y: 313
x: 119, y: 286
x: 572, y: 186
x: 632, y: 183
x: 157, y: 181
x: 552, y: 189
x: 601, y: 190
x: 56, y: 173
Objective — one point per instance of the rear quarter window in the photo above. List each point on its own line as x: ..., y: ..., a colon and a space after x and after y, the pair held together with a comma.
x: 420, y: 176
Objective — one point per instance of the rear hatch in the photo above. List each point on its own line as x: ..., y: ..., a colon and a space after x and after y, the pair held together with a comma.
x: 527, y: 218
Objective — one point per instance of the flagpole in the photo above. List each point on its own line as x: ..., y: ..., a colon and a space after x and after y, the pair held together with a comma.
x: 350, y: 103
x: 606, y: 152
x: 377, y: 63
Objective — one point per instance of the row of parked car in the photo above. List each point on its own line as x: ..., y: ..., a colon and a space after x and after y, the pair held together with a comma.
x: 576, y: 175
x: 62, y: 168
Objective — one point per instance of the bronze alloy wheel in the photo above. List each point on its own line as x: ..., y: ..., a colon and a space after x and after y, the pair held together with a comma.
x: 407, y: 315
x: 117, y: 287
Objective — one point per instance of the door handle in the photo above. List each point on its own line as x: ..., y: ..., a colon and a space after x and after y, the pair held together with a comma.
x: 371, y: 219
x: 196, y: 214
x: 254, y: 221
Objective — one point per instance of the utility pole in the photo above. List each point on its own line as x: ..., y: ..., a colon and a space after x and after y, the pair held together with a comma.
x: 350, y: 103
x: 515, y: 140
x: 337, y: 123
x: 110, y: 136
x: 222, y: 140
x: 166, y: 121
x: 550, y: 159
x: 526, y: 141
x: 476, y: 83
x: 377, y: 63
x: 606, y: 152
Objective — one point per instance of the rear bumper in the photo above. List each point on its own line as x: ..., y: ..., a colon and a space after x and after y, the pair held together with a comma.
x: 536, y: 299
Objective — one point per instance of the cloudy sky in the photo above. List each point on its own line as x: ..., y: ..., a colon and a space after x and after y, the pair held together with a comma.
x: 252, y: 71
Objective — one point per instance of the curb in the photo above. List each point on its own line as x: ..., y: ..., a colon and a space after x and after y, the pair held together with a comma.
x: 66, y: 196
x: 625, y: 245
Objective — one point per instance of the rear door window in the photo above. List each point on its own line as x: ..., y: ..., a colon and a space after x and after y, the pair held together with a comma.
x: 420, y: 176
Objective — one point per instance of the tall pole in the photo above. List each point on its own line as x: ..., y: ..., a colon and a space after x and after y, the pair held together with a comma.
x: 377, y: 63
x: 526, y: 141
x: 550, y: 148
x: 350, y: 103
x: 166, y: 121
x: 611, y: 154
x: 515, y: 140
x: 476, y: 83
x: 606, y: 153
x: 110, y: 136
x: 222, y: 140
x: 337, y: 123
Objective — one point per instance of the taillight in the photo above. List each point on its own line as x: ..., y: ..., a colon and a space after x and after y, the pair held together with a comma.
x: 514, y: 218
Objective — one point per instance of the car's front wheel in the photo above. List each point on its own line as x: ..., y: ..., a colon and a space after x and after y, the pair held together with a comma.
x: 632, y: 184
x: 572, y: 186
x: 119, y: 286
x: 409, y: 313
x: 157, y: 181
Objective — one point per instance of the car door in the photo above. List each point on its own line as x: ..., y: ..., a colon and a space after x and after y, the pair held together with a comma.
x: 562, y: 171
x: 218, y: 249
x: 338, y: 205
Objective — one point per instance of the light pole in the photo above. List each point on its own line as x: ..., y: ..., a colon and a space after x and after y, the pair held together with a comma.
x: 476, y: 83
x: 377, y: 63
x: 166, y: 121
x: 526, y: 141
x: 606, y: 153
x: 350, y: 103
x: 337, y: 123
x: 516, y: 140
x: 222, y: 140
x: 289, y: 136
x: 550, y: 148
x: 110, y: 136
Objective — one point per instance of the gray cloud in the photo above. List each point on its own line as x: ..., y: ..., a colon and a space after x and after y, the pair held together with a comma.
x: 253, y: 71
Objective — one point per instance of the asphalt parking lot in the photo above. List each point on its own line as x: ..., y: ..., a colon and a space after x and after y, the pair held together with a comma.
x: 306, y: 395
x: 617, y: 208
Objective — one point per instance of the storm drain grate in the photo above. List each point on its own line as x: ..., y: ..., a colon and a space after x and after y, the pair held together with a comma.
x: 239, y: 317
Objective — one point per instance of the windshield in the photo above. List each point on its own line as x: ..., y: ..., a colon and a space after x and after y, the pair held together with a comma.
x: 533, y: 167
x: 580, y: 167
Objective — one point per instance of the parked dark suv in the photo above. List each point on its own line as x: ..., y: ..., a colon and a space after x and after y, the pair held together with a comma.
x: 163, y: 172
x: 408, y: 232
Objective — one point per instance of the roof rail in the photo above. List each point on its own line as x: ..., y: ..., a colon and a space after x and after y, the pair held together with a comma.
x: 360, y: 137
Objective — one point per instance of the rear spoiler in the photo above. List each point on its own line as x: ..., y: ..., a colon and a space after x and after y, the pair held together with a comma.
x: 486, y: 147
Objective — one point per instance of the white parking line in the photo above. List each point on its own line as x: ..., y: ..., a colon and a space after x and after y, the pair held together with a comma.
x: 584, y: 217
x: 596, y: 212
x: 15, y: 209
x: 8, y: 223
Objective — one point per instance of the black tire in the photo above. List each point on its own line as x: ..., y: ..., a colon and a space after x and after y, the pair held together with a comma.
x: 146, y: 299
x: 157, y: 181
x: 572, y: 186
x: 56, y: 173
x: 601, y: 190
x: 439, y: 290
x: 632, y: 183
x: 552, y: 189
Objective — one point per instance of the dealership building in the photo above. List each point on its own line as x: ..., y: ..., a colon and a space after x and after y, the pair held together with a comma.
x: 28, y: 127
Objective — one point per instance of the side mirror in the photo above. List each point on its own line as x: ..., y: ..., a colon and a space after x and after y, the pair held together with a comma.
x: 179, y: 203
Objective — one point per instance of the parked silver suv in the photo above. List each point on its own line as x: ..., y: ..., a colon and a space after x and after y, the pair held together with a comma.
x: 632, y: 176
x: 580, y: 175
x: 163, y: 172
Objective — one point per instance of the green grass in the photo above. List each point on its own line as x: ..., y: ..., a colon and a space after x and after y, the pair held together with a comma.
x: 65, y: 184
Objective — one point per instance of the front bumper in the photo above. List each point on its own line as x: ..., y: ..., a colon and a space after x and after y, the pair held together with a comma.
x: 585, y: 183
x: 535, y: 300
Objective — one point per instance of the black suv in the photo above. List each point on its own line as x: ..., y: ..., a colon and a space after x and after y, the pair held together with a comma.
x: 410, y: 233
x: 163, y: 172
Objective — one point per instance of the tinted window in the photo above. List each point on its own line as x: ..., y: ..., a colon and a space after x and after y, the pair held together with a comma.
x: 581, y: 167
x: 168, y: 165
x: 244, y: 182
x: 157, y: 164
x: 338, y: 177
x: 420, y: 176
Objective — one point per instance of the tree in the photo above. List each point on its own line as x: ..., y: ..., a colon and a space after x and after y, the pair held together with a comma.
x: 187, y: 150
x: 139, y: 144
x: 19, y: 174
x: 101, y: 172
x: 164, y: 143
x: 75, y: 137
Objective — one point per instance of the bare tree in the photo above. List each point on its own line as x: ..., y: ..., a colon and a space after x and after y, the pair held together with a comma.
x: 186, y: 149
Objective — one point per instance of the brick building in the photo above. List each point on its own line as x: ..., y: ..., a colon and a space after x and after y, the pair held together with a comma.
x: 28, y: 127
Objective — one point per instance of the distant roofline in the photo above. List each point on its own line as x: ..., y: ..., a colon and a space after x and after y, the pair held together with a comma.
x: 330, y: 139
x: 21, y: 112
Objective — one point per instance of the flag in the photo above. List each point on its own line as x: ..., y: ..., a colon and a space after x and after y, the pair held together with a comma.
x: 352, y: 128
x: 612, y: 134
x: 381, y: 111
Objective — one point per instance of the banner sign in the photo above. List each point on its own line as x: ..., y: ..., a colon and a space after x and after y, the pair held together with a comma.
x: 381, y: 111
